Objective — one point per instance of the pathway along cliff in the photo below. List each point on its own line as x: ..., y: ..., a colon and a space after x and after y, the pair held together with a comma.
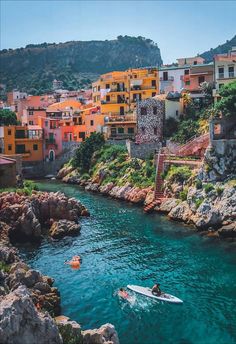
x: 121, y: 245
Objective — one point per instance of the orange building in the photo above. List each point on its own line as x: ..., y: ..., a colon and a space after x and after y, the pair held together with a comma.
x: 24, y: 140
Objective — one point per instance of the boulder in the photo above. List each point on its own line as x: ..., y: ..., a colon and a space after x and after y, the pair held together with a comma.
x: 181, y: 212
x: 64, y: 171
x: 228, y: 231
x: 167, y: 205
x: 62, y: 228
x: 25, y: 324
x: 69, y: 330
x: 106, y: 334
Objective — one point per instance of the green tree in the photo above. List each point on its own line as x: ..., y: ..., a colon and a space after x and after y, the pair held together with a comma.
x: 7, y: 117
x: 227, y: 104
x: 84, y: 153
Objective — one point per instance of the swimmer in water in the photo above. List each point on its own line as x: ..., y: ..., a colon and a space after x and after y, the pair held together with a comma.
x: 123, y: 293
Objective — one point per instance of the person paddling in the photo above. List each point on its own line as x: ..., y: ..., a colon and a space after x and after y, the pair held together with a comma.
x: 156, y: 290
x: 123, y: 293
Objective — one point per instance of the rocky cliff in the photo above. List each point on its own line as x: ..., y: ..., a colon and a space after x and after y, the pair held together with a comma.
x: 28, y: 300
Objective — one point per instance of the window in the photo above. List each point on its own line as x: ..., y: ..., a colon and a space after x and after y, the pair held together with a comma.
x: 98, y: 88
x: 46, y: 123
x: 35, y: 147
x: 201, y: 79
x: 9, y: 147
x: 108, y: 98
x: 20, y: 134
x: 187, y: 83
x: 155, y: 130
x: 82, y: 135
x: 31, y: 122
x: 20, y: 149
x: 154, y: 110
x: 31, y: 113
x: 165, y: 76
x: 221, y: 72
x: 154, y: 83
x: 143, y: 111
x: 194, y: 62
x: 91, y: 122
x: 130, y: 130
x: 9, y: 132
x: 107, y: 86
x: 121, y: 130
x: 153, y: 94
x: 231, y: 71
x: 186, y: 72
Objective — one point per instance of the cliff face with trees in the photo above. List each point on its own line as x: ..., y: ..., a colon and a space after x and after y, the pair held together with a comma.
x: 221, y: 49
x: 76, y: 63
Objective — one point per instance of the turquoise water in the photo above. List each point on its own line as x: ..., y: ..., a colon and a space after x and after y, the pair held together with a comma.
x: 121, y: 245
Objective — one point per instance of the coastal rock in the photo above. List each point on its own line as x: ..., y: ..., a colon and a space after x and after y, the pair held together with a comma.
x: 25, y: 324
x: 106, y: 334
x: 61, y: 228
x: 149, y: 197
x: 64, y: 171
x: 105, y: 189
x: 92, y: 187
x: 228, y: 231
x: 181, y: 212
x: 69, y: 330
x: 168, y: 204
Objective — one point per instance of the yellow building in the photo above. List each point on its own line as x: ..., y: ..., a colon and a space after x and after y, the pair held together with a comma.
x: 117, y: 94
x: 24, y: 140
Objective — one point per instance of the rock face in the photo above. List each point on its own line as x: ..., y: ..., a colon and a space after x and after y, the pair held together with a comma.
x: 25, y: 324
x: 106, y: 334
x: 29, y: 215
x: 64, y: 227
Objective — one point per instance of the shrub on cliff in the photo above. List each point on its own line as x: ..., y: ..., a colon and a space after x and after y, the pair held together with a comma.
x: 178, y: 174
x: 84, y: 153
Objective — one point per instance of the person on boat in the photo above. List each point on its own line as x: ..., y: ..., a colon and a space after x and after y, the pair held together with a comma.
x: 123, y: 293
x: 156, y: 289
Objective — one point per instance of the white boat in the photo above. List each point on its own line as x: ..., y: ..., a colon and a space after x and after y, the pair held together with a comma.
x: 148, y: 292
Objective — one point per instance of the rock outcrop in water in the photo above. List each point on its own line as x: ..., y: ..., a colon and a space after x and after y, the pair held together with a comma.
x: 28, y: 299
x: 29, y: 216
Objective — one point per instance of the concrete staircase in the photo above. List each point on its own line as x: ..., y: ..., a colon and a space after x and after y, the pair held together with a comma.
x: 195, y: 146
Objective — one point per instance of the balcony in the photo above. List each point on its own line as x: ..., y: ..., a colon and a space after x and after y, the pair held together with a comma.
x: 51, y: 142
x: 119, y: 118
x: 121, y: 136
x: 170, y: 78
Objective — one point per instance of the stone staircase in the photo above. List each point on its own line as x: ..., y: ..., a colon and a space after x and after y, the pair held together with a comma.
x: 158, y: 195
x: 195, y: 146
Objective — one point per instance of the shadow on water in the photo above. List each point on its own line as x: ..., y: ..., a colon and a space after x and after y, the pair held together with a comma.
x: 121, y: 245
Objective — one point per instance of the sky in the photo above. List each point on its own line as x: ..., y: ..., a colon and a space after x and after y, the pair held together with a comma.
x: 180, y: 28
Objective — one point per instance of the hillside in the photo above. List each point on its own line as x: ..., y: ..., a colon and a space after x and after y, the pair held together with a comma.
x: 76, y: 63
x: 223, y: 48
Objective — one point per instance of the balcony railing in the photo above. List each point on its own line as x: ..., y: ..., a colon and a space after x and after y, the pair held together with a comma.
x: 121, y: 118
x: 170, y: 78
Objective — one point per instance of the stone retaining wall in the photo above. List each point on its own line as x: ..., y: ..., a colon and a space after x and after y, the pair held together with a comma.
x: 142, y: 150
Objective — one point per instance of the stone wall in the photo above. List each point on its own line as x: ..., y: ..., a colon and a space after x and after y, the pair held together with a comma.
x: 142, y: 150
x: 150, y: 118
x: 40, y: 169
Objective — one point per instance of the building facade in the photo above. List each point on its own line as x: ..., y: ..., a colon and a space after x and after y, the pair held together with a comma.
x: 24, y: 140
x: 150, y: 119
x: 224, y: 70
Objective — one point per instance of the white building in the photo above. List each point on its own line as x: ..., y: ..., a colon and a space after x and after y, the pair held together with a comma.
x: 224, y: 69
x: 171, y: 78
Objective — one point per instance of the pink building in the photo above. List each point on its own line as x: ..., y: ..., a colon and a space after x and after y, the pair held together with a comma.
x: 52, y: 137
